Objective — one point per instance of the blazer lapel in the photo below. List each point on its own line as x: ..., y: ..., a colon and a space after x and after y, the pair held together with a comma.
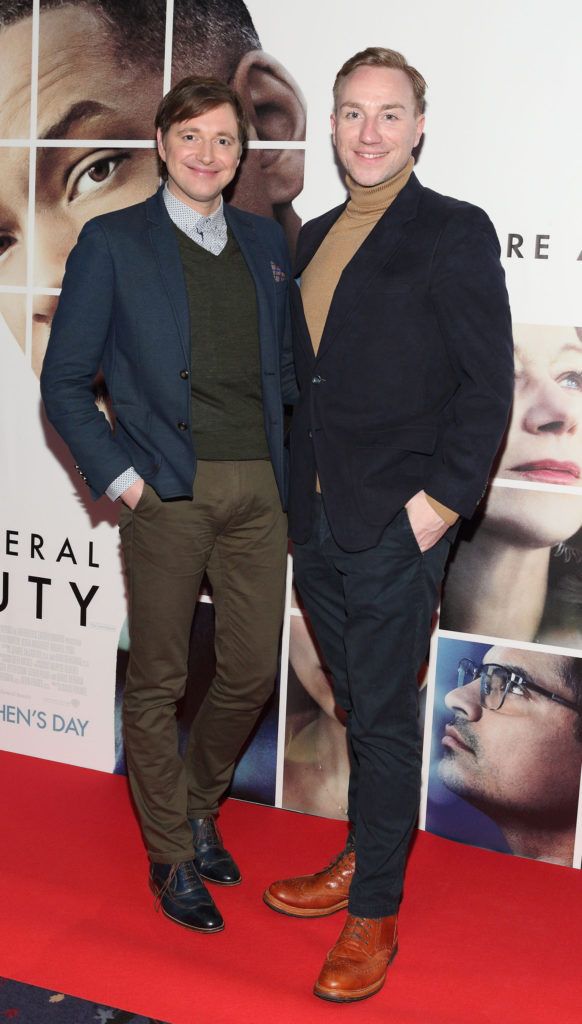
x: 310, y: 238
x: 257, y: 260
x: 165, y: 245
x: 312, y: 235
x: 375, y: 252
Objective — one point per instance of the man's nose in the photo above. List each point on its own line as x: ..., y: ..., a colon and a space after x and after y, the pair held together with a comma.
x: 369, y: 132
x: 551, y: 410
x: 206, y: 152
x: 466, y: 700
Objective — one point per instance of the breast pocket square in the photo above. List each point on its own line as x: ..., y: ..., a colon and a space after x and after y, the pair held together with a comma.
x: 278, y: 272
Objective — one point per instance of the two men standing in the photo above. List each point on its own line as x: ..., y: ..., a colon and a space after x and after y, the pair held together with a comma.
x: 403, y: 354
x: 404, y: 360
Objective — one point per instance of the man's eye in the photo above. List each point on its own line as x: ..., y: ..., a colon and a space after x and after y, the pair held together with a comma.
x: 6, y: 243
x: 223, y: 142
x: 352, y: 115
x: 517, y: 689
x: 572, y: 380
x: 96, y: 174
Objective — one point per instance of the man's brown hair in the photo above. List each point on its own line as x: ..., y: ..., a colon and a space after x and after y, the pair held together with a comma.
x: 379, y: 57
x: 195, y: 95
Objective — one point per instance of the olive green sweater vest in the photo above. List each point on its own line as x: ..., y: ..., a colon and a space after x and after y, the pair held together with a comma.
x: 227, y: 407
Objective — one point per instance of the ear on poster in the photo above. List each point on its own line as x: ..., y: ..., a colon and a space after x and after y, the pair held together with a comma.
x: 276, y: 110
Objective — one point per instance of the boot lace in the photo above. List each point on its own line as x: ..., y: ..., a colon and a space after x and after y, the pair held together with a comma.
x: 208, y: 834
x: 335, y: 861
x: 357, y: 929
x: 190, y: 875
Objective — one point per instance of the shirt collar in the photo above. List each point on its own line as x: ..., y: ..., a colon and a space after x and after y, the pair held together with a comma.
x: 190, y: 221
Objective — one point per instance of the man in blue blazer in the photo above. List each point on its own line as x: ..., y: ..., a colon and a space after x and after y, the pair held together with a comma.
x: 182, y: 301
x: 404, y: 361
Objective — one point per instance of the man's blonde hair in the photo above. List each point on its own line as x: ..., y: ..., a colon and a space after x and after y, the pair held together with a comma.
x: 379, y: 57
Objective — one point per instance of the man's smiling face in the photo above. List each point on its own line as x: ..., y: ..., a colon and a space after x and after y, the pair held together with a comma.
x: 201, y: 155
x: 376, y: 124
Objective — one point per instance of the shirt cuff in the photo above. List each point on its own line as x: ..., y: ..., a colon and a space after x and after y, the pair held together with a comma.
x: 447, y: 514
x: 121, y: 483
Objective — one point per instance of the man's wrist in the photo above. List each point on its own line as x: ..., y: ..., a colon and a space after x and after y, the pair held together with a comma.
x: 448, y: 515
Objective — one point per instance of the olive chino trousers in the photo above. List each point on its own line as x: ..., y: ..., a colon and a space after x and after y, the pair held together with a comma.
x: 234, y: 530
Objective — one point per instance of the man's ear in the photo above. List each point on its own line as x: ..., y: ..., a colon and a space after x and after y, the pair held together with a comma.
x: 276, y: 111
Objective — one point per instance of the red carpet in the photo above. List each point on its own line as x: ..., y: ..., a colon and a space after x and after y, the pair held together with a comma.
x: 483, y: 937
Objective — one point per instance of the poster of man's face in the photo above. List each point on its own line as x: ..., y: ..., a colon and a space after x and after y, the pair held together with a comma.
x: 506, y: 751
x: 74, y: 119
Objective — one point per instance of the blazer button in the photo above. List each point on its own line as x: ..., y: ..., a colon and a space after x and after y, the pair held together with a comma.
x: 184, y: 374
x: 182, y: 426
x: 317, y: 379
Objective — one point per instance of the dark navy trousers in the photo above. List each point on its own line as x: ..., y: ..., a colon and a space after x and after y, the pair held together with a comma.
x: 371, y: 611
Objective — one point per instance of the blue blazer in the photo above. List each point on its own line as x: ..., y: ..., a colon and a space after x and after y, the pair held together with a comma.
x: 124, y: 309
x: 412, y: 383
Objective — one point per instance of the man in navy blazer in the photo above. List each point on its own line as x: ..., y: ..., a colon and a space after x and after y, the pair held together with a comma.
x: 182, y: 302
x: 403, y: 354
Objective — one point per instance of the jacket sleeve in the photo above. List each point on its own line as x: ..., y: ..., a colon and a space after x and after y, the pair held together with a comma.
x: 82, y: 326
x: 472, y: 309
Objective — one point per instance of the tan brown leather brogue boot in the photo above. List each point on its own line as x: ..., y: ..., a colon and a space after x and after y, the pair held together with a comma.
x: 356, y: 966
x: 314, y: 895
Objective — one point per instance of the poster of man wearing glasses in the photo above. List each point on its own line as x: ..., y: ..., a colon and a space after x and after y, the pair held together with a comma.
x: 506, y: 750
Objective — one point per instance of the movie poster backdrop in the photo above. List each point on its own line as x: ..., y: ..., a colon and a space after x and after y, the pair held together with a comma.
x: 81, y: 81
x: 80, y: 86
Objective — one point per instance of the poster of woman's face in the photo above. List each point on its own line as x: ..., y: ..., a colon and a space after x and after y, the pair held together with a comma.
x: 516, y: 570
x: 506, y: 749
x: 544, y: 440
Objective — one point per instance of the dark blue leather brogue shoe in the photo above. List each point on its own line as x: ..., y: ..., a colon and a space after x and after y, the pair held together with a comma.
x: 184, y: 898
x: 212, y: 861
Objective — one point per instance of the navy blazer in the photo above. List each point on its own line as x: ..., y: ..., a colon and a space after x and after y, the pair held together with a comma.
x: 412, y: 383
x: 124, y: 309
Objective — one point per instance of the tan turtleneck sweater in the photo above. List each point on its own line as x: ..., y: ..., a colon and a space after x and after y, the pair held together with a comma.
x: 321, y: 276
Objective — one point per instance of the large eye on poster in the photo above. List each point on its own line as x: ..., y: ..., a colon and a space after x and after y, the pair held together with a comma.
x: 72, y: 186
x: 14, y: 165
x: 506, y: 749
